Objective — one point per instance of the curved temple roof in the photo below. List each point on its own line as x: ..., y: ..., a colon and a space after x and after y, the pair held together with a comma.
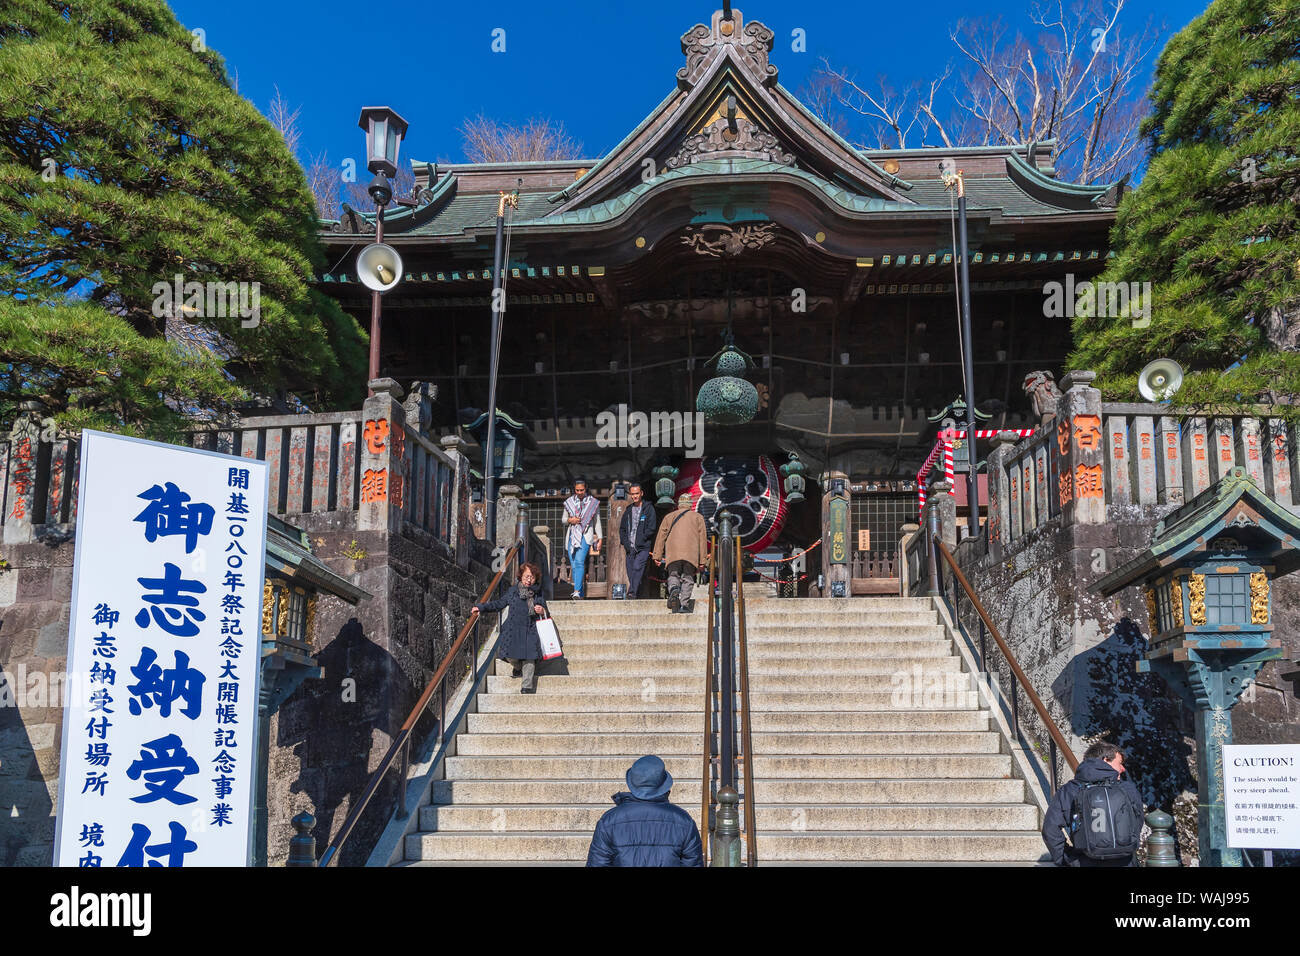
x: 730, y: 123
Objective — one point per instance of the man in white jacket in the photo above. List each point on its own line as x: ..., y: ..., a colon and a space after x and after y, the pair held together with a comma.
x: 582, y: 532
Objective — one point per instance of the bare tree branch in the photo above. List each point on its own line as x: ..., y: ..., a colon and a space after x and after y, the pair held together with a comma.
x: 285, y: 120
x: 489, y: 141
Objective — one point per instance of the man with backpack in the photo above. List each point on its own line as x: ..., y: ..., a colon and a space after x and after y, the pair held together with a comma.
x: 1096, y: 818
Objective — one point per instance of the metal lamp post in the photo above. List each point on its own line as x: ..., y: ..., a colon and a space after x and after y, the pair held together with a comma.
x: 498, y: 315
x: 968, y: 358
x: 378, y: 266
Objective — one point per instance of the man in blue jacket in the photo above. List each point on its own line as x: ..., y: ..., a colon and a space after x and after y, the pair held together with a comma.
x: 636, y: 532
x: 643, y: 828
x: 1102, y: 762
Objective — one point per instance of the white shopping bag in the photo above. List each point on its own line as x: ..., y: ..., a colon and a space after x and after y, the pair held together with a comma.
x: 549, y: 637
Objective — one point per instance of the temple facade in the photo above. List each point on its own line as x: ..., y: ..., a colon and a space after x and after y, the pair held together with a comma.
x: 731, y: 213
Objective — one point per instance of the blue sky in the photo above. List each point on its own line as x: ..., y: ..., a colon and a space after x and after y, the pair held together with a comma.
x: 598, y: 67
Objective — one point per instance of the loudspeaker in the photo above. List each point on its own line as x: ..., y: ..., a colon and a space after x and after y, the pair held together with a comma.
x: 1160, y: 380
x: 379, y: 267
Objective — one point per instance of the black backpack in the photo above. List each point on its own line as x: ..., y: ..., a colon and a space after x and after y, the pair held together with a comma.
x: 1104, y: 824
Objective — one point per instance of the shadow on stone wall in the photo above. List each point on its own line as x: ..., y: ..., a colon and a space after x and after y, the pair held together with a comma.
x: 26, y: 809
x: 324, y: 739
x: 1135, y: 712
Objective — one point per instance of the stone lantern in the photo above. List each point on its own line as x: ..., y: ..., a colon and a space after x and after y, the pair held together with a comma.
x: 1206, y: 579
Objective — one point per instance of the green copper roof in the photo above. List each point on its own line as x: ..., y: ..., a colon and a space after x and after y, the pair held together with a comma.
x: 1192, y: 526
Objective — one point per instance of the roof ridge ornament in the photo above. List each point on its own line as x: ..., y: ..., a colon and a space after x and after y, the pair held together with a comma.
x: 747, y: 139
x: 749, y: 45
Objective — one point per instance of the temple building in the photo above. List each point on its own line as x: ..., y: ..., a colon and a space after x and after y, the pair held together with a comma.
x: 731, y: 213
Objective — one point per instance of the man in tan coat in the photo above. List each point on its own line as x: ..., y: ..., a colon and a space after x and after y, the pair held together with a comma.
x: 682, y: 545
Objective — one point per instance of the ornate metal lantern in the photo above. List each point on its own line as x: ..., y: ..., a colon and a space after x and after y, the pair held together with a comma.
x: 1205, y: 579
x: 792, y: 472
x: 665, y: 485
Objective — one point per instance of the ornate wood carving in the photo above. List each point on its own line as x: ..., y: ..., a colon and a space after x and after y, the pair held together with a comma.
x: 1259, y: 598
x: 352, y: 223
x: 748, y: 139
x: 1150, y: 597
x: 718, y: 239
x: 750, y: 45
x: 268, y: 609
x: 1196, y: 598
x: 1176, y: 602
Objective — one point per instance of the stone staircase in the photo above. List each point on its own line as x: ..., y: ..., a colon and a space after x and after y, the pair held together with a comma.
x: 871, y: 745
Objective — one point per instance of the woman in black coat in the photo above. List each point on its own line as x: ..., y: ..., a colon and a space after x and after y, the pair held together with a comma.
x: 519, y: 642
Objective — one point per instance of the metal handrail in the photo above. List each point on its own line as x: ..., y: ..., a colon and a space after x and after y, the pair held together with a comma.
x: 1018, y: 675
x: 746, y: 739
x: 401, y: 744
x: 706, y: 792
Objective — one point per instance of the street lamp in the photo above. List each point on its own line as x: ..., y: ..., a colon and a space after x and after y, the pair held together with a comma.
x: 384, y: 132
x: 379, y: 267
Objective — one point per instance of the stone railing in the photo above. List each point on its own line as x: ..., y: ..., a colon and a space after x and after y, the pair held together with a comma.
x: 378, y: 464
x: 375, y: 465
x: 38, y: 485
x: 1092, y: 459
x: 313, y: 459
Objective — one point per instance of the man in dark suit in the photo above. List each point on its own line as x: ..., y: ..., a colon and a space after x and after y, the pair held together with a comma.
x: 636, y: 532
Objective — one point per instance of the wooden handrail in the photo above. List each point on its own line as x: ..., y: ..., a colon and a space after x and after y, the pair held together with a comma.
x: 1014, y: 664
x: 402, y: 740
x: 705, y: 793
x: 746, y: 739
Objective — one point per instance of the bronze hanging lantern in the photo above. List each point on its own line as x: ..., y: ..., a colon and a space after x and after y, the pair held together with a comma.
x: 727, y: 399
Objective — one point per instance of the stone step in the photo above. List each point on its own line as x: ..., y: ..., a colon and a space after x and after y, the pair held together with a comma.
x: 792, y: 633
x: 763, y: 722
x: 765, y: 765
x: 861, y: 605
x: 661, y: 743
x: 804, y: 792
x: 617, y: 648
x: 660, y: 616
x: 900, y: 669
x: 845, y: 846
x: 618, y: 688
x: 660, y: 700
x: 508, y: 818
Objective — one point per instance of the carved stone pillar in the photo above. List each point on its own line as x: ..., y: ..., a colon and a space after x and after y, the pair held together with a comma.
x: 1081, y: 486
x: 383, y: 455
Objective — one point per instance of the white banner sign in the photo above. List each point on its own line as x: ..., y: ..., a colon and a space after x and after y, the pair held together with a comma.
x: 164, y: 656
x: 1261, y: 795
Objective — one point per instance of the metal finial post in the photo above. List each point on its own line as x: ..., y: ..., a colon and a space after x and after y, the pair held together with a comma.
x: 302, y: 845
x: 1161, y: 843
x: 726, y: 833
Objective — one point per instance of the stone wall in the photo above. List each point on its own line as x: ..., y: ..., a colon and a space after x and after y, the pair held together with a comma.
x: 328, y: 738
x: 35, y: 592
x: 1080, y: 651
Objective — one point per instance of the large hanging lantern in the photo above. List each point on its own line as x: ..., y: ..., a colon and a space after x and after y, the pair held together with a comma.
x: 747, y: 488
x: 726, y: 399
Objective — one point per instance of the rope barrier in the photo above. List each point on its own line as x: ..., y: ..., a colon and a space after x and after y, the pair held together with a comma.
x: 791, y: 558
x: 944, y: 445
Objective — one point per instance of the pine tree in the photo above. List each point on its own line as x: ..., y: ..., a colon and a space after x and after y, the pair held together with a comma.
x: 1214, y: 225
x: 126, y: 160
